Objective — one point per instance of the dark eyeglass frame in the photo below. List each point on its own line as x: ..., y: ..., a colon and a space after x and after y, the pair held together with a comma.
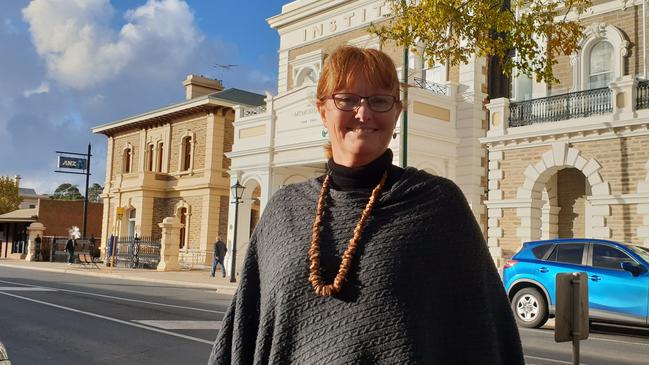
x: 360, y: 101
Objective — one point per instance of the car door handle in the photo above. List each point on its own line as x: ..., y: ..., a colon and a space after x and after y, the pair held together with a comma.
x: 544, y: 269
x: 595, y: 278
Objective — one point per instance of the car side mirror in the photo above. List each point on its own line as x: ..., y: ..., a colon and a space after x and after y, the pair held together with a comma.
x: 632, y: 267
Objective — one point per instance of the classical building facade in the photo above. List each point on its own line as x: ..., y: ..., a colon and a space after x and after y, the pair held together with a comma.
x: 572, y: 160
x: 282, y: 142
x: 170, y: 162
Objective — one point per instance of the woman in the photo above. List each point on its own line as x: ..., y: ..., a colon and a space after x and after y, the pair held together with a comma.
x: 370, y: 263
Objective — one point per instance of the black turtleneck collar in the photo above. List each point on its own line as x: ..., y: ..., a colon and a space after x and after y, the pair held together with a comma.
x: 364, y: 177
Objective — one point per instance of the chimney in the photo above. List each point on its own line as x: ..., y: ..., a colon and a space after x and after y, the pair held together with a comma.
x: 196, y: 86
x: 17, y: 179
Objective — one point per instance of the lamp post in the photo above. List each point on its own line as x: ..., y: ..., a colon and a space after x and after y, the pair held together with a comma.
x: 237, y: 192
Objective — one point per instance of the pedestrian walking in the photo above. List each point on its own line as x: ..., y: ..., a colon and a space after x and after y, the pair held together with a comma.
x: 370, y: 263
x: 70, y: 247
x: 37, y: 247
x: 219, y: 255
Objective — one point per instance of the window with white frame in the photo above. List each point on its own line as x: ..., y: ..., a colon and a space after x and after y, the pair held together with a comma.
x: 601, y: 65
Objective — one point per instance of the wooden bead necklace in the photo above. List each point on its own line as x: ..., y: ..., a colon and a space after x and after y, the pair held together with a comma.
x: 315, y: 278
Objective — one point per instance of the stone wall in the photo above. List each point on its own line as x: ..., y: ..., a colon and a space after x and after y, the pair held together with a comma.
x: 120, y: 143
x: 513, y: 166
x: 571, y: 198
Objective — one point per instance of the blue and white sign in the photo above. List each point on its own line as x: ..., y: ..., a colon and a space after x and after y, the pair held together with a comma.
x: 72, y: 163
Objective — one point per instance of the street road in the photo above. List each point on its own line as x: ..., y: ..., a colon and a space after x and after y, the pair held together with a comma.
x: 606, y: 345
x: 57, y: 318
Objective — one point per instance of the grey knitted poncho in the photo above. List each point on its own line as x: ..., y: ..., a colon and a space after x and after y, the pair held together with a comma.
x: 422, y: 288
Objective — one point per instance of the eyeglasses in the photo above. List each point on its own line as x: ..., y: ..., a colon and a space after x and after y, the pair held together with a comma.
x: 351, y: 102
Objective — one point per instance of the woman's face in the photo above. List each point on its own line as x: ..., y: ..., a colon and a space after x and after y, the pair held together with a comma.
x: 359, y: 137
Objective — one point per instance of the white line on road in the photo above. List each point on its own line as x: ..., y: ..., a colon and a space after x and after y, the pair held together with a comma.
x: 547, y: 359
x: 19, y: 288
x: 117, y: 298
x: 110, y: 319
x: 182, y: 325
x: 590, y: 337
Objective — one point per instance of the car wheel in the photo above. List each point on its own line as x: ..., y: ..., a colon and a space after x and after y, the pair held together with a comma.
x: 530, y: 308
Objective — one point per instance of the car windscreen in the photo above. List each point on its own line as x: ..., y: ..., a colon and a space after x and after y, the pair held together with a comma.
x: 640, y: 251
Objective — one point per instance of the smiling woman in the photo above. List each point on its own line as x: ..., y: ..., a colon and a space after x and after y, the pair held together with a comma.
x: 373, y: 277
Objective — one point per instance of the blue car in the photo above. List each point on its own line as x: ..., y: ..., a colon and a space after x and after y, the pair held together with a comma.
x: 618, y: 279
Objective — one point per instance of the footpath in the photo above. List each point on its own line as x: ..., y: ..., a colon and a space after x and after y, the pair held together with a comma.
x: 197, y: 277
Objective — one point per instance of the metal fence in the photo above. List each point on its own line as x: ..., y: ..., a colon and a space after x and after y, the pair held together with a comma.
x: 561, y: 107
x: 432, y: 86
x: 52, y: 249
x: 135, y: 252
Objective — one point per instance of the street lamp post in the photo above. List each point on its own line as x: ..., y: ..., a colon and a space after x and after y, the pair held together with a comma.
x: 237, y: 191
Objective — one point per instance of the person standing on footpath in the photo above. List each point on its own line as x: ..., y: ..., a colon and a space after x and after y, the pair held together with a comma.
x: 70, y: 246
x: 370, y: 263
x: 219, y: 255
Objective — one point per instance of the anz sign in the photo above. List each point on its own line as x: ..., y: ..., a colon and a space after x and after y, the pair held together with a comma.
x: 72, y: 163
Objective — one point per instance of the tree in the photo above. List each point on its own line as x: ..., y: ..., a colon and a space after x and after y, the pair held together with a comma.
x: 94, y: 193
x: 67, y: 191
x: 452, y: 30
x: 10, y: 197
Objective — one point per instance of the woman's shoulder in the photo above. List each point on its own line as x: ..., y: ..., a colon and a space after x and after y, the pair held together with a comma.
x: 417, y: 179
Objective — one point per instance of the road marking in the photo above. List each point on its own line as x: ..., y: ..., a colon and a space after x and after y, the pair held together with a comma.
x: 16, y: 288
x: 547, y: 359
x: 182, y: 325
x: 590, y: 337
x: 110, y: 319
x: 118, y: 298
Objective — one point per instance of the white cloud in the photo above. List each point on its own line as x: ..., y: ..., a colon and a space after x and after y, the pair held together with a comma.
x: 43, y: 88
x: 81, y: 50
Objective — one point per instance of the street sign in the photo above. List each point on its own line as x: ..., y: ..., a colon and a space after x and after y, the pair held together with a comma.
x: 72, y: 163
x: 119, y: 211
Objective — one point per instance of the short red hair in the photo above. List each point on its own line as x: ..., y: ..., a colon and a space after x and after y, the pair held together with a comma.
x: 346, y: 64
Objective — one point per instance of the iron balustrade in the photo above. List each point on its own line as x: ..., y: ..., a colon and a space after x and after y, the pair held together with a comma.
x: 432, y: 86
x: 254, y: 110
x: 561, y: 107
x: 137, y: 252
x: 642, y: 98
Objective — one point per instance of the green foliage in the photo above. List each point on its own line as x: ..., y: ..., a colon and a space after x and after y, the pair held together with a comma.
x: 67, y: 191
x: 9, y: 195
x: 452, y: 30
x: 94, y: 193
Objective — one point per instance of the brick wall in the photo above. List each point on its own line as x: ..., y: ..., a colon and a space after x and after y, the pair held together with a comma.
x: 514, y: 164
x: 624, y: 222
x: 571, y: 198
x: 228, y: 140
x: 119, y: 145
x: 509, y: 243
x: 162, y: 208
x: 198, y: 125
x: 59, y: 215
x: 194, y: 229
x: 622, y: 160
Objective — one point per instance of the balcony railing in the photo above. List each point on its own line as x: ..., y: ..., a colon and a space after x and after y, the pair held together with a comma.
x: 432, y: 86
x: 561, y: 107
x: 642, y: 97
x: 254, y: 110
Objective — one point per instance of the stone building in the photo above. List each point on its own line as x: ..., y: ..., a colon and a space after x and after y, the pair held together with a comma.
x: 283, y: 142
x: 572, y: 160
x: 170, y: 162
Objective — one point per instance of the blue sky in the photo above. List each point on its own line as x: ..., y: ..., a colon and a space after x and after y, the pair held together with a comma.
x: 69, y: 65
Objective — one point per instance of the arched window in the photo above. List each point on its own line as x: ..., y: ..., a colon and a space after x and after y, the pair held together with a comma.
x: 149, y: 157
x: 159, y: 157
x: 601, y: 65
x: 131, y: 223
x: 187, y: 153
x: 126, y: 160
x: 183, y: 221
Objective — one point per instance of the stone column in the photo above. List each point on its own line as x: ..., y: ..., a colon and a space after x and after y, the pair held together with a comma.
x: 34, y: 229
x: 169, y: 244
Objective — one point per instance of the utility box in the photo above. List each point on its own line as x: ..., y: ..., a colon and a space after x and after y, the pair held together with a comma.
x: 571, y: 311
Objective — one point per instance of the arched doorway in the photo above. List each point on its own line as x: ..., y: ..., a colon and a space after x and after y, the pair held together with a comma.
x: 572, y: 192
